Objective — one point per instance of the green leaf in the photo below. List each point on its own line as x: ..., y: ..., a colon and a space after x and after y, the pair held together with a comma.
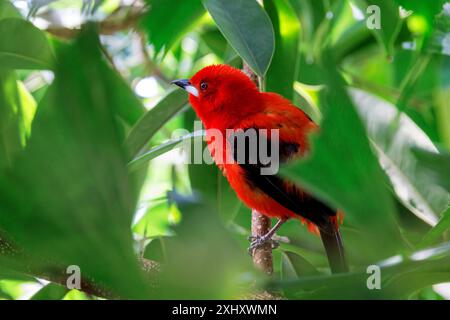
x: 51, y: 291
x: 213, y: 262
x: 294, y: 266
x: 215, y: 42
x: 434, y: 166
x: 161, y: 149
x: 310, y: 13
x: 165, y: 24
x: 155, y: 250
x: 394, y: 134
x: 247, y: 28
x: 5, y: 295
x: 129, y: 106
x: 400, y: 276
x: 306, y: 97
x: 69, y: 200
x: 153, y: 120
x: 283, y: 70
x: 29, y: 51
x: 156, y: 220
x: 441, y: 105
x: 17, y: 109
x: 437, y: 231
x: 8, y: 10
x: 342, y: 171
x: 210, y: 182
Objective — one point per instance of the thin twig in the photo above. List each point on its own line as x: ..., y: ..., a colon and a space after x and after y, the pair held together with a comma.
x: 262, y: 256
x: 105, y: 27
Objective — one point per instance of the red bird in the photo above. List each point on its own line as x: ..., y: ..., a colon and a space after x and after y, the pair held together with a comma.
x: 225, y: 98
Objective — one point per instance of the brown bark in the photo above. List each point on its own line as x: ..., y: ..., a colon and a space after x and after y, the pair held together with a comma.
x: 262, y: 256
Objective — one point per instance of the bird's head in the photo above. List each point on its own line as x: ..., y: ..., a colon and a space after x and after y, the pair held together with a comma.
x: 221, y: 94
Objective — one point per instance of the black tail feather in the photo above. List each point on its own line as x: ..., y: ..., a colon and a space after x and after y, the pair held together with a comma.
x: 334, y: 248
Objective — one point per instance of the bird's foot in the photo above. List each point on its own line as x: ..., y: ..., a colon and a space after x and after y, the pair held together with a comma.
x: 259, y: 241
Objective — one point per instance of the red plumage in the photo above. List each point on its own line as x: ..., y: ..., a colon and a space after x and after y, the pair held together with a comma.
x: 234, y: 102
x: 225, y: 98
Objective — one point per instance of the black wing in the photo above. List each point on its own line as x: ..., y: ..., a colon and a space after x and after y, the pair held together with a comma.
x: 246, y: 146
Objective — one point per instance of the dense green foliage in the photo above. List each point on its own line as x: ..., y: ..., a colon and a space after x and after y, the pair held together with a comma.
x: 91, y: 174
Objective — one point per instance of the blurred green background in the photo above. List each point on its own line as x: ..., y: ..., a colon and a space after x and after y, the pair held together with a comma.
x: 92, y: 175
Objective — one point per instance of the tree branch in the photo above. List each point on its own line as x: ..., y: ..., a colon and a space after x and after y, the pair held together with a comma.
x: 108, y: 26
x: 58, y: 274
x: 262, y: 256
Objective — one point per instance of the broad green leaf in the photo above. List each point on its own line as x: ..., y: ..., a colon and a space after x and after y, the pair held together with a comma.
x: 437, y: 231
x: 161, y: 149
x: 342, y: 171
x: 406, y: 284
x: 427, y: 293
x: 247, y: 28
x: 156, y: 220
x: 155, y: 250
x: 211, y: 183
x: 400, y: 276
x: 153, y: 120
x: 51, y: 291
x: 283, y: 70
x: 393, y: 135
x: 434, y: 166
x: 14, y: 275
x: 212, y: 265
x: 310, y: 13
x: 12, y: 289
x: 215, y: 41
x: 76, y: 295
x: 349, y: 33
x: 306, y: 97
x: 441, y: 104
x: 7, y: 10
x: 165, y: 24
x: 129, y: 106
x: 17, y: 108
x: 69, y: 199
x: 294, y: 266
x: 384, y: 20
x: 30, y: 50
x: 5, y: 295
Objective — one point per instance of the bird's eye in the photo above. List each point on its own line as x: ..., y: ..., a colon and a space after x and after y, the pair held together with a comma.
x: 203, y: 85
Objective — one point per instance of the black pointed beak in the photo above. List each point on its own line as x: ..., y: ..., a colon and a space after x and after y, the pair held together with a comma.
x: 186, y: 85
x: 182, y: 83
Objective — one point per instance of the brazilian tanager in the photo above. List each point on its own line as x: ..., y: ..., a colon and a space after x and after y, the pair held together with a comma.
x: 226, y: 98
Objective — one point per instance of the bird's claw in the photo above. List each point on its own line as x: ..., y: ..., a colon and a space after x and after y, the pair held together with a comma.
x: 259, y: 241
